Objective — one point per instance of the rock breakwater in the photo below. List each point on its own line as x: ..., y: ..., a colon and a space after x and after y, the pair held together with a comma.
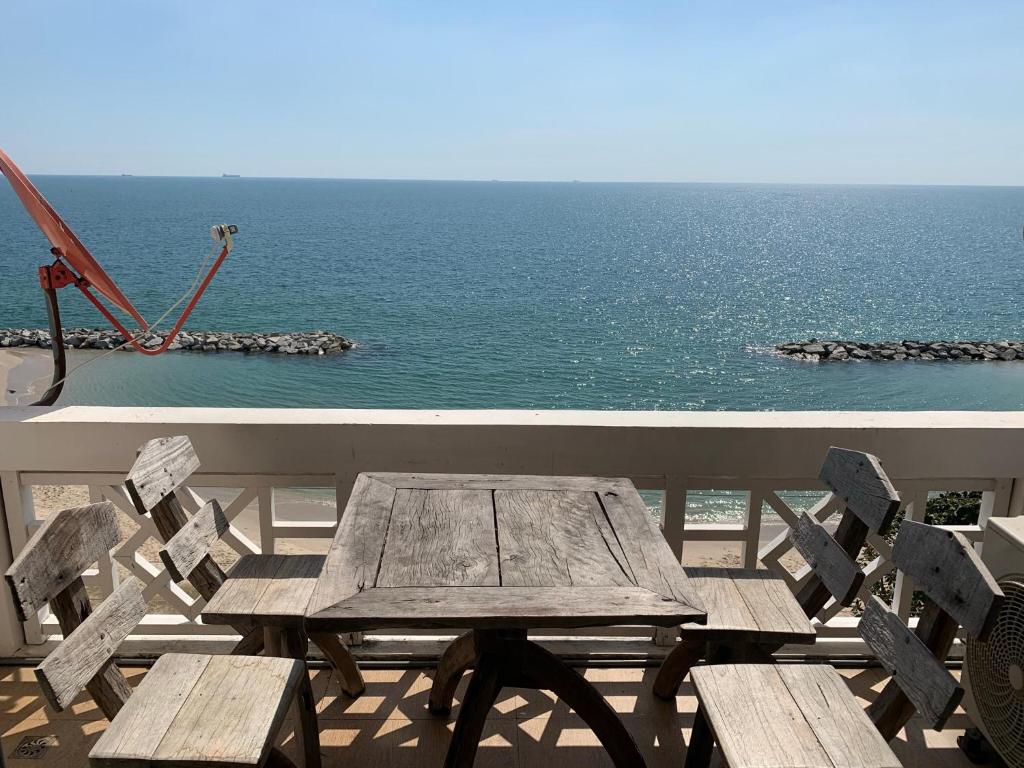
x: 314, y: 343
x: 814, y: 350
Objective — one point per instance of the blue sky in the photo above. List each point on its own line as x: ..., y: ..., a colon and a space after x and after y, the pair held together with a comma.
x: 854, y: 92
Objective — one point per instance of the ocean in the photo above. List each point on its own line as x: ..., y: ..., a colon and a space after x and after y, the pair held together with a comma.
x: 544, y: 295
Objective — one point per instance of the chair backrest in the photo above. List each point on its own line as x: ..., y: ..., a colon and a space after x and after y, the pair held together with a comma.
x: 163, y: 466
x: 85, y: 657
x: 959, y: 592
x: 49, y: 570
x: 870, y: 504
x: 188, y: 548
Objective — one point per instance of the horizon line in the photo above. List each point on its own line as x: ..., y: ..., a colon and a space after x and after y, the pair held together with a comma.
x: 238, y: 177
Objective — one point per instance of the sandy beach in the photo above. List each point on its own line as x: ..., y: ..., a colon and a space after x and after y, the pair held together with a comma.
x: 24, y: 374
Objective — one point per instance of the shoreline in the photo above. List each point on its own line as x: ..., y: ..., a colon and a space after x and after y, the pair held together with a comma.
x: 24, y: 375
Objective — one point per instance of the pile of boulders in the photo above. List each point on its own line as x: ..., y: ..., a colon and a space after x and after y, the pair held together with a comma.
x: 814, y: 350
x: 315, y: 343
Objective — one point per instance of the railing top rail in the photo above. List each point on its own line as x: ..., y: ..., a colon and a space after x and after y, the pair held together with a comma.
x: 746, y: 420
x: 687, y: 446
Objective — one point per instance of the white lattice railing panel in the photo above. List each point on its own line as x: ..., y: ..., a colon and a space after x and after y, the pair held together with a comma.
x: 179, y: 611
x: 176, y: 611
x: 253, y: 460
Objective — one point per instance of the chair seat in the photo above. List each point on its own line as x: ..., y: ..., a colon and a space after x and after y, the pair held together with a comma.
x: 265, y: 590
x: 750, y: 605
x: 779, y: 716
x: 199, y: 710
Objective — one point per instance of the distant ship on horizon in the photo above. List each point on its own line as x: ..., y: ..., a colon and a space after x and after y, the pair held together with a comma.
x: 230, y: 176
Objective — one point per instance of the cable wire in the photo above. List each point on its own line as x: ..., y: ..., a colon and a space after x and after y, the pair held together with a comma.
x: 149, y: 328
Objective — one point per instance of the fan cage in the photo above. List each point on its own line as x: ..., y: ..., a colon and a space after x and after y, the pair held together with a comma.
x: 999, y: 704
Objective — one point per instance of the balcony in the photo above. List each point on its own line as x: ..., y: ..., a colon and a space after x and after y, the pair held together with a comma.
x: 282, y: 475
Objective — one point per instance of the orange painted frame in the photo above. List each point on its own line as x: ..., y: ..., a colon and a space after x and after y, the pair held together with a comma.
x: 81, y: 269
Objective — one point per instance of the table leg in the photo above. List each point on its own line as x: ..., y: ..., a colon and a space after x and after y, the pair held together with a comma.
x: 507, y: 658
x: 456, y: 659
x: 676, y: 666
x: 483, y: 691
x: 340, y: 657
x: 545, y: 670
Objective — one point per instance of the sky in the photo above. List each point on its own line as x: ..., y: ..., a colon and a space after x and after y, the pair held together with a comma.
x: 811, y: 92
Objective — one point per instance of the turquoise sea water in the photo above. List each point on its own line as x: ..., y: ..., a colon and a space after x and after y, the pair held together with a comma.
x: 482, y: 295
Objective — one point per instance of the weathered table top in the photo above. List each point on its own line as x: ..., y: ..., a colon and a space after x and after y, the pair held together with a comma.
x: 493, y: 551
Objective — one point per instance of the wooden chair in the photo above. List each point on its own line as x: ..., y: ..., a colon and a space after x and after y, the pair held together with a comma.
x: 796, y: 714
x: 190, y: 710
x: 163, y: 466
x: 753, y: 612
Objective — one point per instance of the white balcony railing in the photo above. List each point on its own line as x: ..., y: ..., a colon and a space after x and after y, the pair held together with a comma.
x: 251, y: 458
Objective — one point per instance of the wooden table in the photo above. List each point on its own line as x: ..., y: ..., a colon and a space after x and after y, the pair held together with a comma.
x: 501, y: 555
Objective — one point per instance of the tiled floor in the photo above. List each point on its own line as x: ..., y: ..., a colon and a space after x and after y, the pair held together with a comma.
x: 390, y: 726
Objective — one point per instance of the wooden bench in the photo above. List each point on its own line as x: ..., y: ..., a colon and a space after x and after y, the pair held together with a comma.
x: 190, y: 710
x: 797, y: 714
x: 753, y: 612
x: 161, y: 470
